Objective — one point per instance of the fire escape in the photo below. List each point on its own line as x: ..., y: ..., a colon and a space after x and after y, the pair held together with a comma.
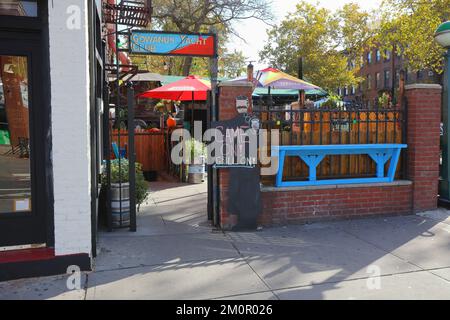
x: 120, y: 17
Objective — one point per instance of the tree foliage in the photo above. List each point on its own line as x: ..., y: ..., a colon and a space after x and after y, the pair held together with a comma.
x: 200, y: 16
x: 319, y: 36
x: 232, y: 65
x: 410, y: 25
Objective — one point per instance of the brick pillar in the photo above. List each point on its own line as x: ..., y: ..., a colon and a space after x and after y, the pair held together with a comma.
x: 228, y: 92
x: 423, y: 133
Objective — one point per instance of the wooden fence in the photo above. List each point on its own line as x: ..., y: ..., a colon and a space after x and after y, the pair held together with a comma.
x: 320, y: 127
x: 149, y: 147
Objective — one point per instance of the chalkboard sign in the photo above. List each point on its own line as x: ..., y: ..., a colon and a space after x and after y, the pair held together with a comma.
x: 244, y: 195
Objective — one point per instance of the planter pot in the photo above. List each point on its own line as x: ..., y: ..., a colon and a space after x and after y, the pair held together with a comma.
x: 196, y: 171
x: 120, y: 204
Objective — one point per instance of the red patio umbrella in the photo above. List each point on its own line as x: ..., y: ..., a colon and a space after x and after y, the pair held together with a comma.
x: 191, y: 88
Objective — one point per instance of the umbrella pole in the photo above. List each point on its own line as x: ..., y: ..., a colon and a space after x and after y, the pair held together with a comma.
x: 192, y: 114
x: 192, y: 127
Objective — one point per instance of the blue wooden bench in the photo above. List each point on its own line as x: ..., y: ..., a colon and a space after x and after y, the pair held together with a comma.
x: 312, y: 155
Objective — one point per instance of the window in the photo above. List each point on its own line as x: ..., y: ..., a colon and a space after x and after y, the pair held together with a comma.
x: 369, y: 82
x: 377, y: 80
x: 397, y: 78
x: 369, y: 57
x: 387, y: 78
x: 419, y: 75
x: 353, y: 89
x: 378, y: 55
x: 387, y: 55
x: 26, y: 8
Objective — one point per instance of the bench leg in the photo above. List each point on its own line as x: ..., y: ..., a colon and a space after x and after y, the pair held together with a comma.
x: 380, y: 158
x: 312, y: 160
x: 279, y: 179
x: 393, y: 164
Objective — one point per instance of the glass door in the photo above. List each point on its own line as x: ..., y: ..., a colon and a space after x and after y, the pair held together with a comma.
x: 22, y: 220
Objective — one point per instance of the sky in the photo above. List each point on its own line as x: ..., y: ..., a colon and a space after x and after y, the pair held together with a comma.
x: 254, y: 31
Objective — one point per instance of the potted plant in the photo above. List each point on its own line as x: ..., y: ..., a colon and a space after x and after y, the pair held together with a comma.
x: 120, y: 190
x: 195, y: 151
x: 384, y: 100
x: 334, y: 102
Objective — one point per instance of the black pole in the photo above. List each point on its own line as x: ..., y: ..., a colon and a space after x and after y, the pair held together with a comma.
x: 301, y: 93
x: 107, y: 154
x: 192, y: 115
x: 214, y: 117
x: 393, y: 54
x: 118, y: 118
x: 209, y: 167
x: 131, y: 157
x: 300, y: 68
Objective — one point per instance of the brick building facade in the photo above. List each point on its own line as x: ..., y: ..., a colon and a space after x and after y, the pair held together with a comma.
x: 380, y: 71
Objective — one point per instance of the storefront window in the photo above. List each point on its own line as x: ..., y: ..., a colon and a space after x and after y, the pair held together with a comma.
x: 15, y: 178
x: 26, y: 8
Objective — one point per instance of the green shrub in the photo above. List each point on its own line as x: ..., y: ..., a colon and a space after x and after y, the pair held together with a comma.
x: 333, y: 102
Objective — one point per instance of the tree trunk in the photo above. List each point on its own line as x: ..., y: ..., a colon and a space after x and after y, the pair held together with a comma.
x: 187, y: 64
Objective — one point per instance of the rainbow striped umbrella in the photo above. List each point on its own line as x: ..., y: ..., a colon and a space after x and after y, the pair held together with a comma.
x: 276, y: 79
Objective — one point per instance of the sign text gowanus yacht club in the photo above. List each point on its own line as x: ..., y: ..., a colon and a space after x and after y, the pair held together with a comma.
x: 172, y: 43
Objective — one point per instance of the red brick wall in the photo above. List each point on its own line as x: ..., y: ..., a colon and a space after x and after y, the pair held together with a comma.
x: 297, y: 206
x: 424, y: 110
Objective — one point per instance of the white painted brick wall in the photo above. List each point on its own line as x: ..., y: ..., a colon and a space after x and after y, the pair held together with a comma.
x: 69, y: 72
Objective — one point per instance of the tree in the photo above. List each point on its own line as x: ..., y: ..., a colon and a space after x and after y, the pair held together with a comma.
x: 200, y: 15
x: 356, y: 30
x: 232, y: 65
x: 318, y: 36
x: 410, y: 26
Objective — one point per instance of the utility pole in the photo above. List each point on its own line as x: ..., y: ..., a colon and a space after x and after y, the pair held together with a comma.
x: 393, y: 55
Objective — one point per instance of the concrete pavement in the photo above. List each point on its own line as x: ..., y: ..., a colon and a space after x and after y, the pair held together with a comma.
x: 176, y: 255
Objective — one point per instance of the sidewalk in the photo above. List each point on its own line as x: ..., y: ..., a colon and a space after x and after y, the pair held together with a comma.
x: 176, y: 255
